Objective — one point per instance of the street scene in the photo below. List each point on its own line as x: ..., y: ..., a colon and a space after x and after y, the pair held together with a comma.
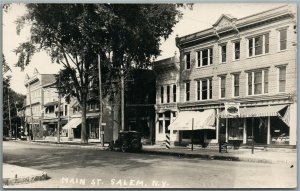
x: 149, y: 95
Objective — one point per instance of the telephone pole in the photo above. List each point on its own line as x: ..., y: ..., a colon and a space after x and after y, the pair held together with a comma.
x: 58, y: 116
x: 9, y: 117
x: 101, y: 129
x: 122, y: 99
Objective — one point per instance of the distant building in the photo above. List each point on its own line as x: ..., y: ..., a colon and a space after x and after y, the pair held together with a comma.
x: 238, y: 81
x: 167, y: 97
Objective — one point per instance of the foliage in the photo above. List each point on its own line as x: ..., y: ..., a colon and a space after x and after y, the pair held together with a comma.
x: 124, y: 35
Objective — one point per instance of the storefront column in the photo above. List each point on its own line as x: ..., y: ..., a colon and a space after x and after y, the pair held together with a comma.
x: 217, y: 125
x: 269, y: 131
x: 156, y: 126
x: 226, y: 134
x: 245, y: 131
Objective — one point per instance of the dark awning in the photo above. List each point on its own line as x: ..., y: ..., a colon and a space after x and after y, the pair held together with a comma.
x: 51, y: 103
x: 263, y: 111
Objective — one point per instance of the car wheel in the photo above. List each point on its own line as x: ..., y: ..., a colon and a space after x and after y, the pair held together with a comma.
x: 124, y: 148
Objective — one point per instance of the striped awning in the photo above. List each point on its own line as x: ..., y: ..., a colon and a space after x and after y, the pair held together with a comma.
x: 73, y: 123
x: 202, y: 120
x: 263, y: 111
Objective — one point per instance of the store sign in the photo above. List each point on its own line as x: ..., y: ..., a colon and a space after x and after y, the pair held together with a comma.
x: 232, y: 109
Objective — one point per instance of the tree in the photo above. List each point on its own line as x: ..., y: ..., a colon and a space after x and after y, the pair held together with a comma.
x: 74, y: 34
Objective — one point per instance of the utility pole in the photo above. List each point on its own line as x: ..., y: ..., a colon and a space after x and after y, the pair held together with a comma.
x: 192, y: 134
x: 31, y: 113
x: 58, y: 116
x: 9, y: 117
x: 101, y: 129
x: 122, y: 99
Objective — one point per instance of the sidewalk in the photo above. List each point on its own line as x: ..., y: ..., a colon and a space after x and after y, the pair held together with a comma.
x: 13, y: 174
x: 259, y: 156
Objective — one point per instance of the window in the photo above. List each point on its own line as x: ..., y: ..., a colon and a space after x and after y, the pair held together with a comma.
x: 258, y: 45
x: 237, y: 50
x: 174, y: 93
x: 282, y: 78
x: 187, y: 91
x: 258, y: 82
x: 168, y: 94
x: 236, y: 85
x: 223, y: 53
x: 188, y: 61
x: 162, y: 94
x: 205, y: 57
x: 204, y: 89
x: 160, y: 126
x: 283, y: 39
x: 222, y: 86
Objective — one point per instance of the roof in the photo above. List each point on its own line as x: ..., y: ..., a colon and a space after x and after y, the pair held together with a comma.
x: 284, y: 10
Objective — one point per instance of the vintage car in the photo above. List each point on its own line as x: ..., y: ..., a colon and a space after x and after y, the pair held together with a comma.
x: 127, y: 141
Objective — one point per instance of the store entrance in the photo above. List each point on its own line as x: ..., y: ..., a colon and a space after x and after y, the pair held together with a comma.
x: 260, y: 129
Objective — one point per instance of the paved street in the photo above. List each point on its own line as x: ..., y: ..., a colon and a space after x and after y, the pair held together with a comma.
x: 86, y: 168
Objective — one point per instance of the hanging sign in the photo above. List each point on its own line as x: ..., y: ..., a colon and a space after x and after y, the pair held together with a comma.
x: 232, y: 109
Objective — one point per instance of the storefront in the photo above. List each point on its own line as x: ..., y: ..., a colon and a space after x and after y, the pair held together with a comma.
x: 196, y: 126
x: 264, y: 125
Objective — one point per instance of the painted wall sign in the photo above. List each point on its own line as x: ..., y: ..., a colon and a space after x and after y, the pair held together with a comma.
x: 232, y: 109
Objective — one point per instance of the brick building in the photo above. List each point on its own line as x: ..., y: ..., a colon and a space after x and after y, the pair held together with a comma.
x: 167, y: 96
x: 238, y: 81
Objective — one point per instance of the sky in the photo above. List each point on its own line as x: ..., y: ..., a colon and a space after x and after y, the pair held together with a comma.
x: 201, y: 17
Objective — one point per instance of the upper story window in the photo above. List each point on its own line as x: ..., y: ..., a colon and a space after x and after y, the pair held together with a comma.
x: 222, y: 86
x: 282, y: 78
x: 237, y: 50
x: 168, y: 94
x: 174, y: 93
x: 161, y: 94
x: 205, y: 57
x: 223, y: 53
x: 258, y: 82
x: 258, y: 45
x: 188, y: 61
x: 204, y: 89
x: 187, y: 91
x: 236, y: 85
x: 283, y: 39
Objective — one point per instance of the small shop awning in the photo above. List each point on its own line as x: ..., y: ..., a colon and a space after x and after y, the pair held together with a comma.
x: 202, y: 120
x: 51, y: 103
x: 263, y: 111
x: 73, y: 123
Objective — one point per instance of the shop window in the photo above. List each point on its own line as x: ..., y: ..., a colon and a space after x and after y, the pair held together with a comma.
x: 160, y: 126
x: 167, y: 123
x: 282, y: 78
x: 280, y: 133
x: 235, y: 129
x: 237, y: 50
x: 283, y: 39
x: 205, y: 57
x: 66, y: 110
x: 258, y: 45
x: 188, y: 61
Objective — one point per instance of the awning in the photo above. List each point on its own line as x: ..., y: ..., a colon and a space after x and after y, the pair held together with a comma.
x: 51, y: 103
x: 202, y: 120
x: 256, y: 112
x: 73, y: 123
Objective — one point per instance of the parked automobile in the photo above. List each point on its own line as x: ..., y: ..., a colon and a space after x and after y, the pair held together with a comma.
x: 127, y: 141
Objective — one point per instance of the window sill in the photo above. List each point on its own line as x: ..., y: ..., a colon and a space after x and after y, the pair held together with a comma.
x: 199, y: 67
x: 279, y: 51
x: 203, y: 100
x: 258, y: 55
x: 236, y: 60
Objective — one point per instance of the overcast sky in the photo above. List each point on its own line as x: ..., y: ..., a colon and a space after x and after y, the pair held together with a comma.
x: 201, y: 17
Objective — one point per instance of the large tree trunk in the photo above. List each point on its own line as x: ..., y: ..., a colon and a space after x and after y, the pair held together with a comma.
x: 84, y: 137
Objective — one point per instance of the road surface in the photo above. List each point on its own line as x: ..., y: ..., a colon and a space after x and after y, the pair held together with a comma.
x: 87, y: 168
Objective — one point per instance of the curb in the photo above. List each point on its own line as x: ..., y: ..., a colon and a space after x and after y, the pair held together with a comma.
x: 219, y: 157
x: 28, y: 179
x: 93, y: 147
